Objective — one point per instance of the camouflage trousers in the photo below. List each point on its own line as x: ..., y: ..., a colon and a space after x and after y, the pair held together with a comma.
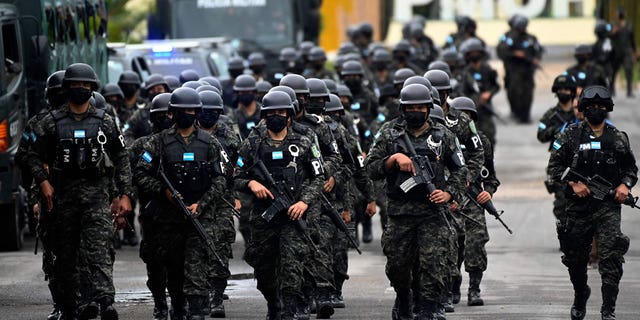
x: 322, y: 232
x: 223, y: 234
x: 420, y: 241
x: 520, y: 85
x: 246, y: 200
x: 586, y: 220
x: 83, y: 254
x: 560, y: 206
x: 45, y: 232
x: 475, y: 238
x: 277, y: 252
x: 341, y: 246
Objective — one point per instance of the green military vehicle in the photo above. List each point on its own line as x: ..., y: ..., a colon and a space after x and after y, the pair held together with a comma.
x: 37, y: 37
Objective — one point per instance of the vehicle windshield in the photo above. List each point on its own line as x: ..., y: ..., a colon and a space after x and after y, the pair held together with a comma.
x: 176, y: 62
x: 268, y: 22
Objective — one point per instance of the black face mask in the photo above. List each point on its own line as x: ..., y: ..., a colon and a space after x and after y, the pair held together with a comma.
x: 564, y: 97
x: 474, y: 59
x: 276, y: 123
x: 160, y: 121
x: 257, y: 69
x: 595, y: 116
x: 581, y: 60
x: 235, y: 73
x: 246, y: 98
x: 79, y: 95
x: 400, y: 58
x: 318, y: 66
x: 315, y: 107
x: 129, y: 90
x: 415, y: 119
x: 208, y: 119
x: 355, y: 85
x: 183, y: 120
x: 380, y: 66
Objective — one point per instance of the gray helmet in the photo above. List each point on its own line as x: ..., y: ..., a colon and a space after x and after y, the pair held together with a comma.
x: 263, y: 86
x: 193, y: 84
x: 235, y: 63
x: 296, y: 82
x: 381, y: 56
x: 347, y: 47
x: 339, y: 62
x: 582, y: 50
x: 212, y: 81
x: 289, y: 56
x: 54, y: 81
x: 185, y: 98
x: 188, y: 75
x: 595, y: 95
x: 256, y: 59
x: 464, y: 104
x: 276, y: 100
x: 344, y: 91
x: 317, y: 54
x: 331, y: 85
x: 318, y: 89
x: 207, y: 87
x: 99, y: 100
x: 352, y: 67
x: 211, y: 100
x: 403, y: 45
x: 80, y: 72
x: 291, y: 93
x: 451, y: 56
x: 173, y: 82
x: 402, y: 74
x: 415, y: 94
x: 417, y: 79
x: 519, y: 22
x: 333, y: 104
x: 416, y: 31
x: 129, y: 77
x: 439, y: 79
x: 440, y: 65
x: 156, y: 80
x: 472, y: 45
x: 305, y: 48
x: 244, y: 82
x: 160, y: 103
x: 435, y: 95
x: 566, y: 81
x: 437, y: 113
x: 365, y: 29
x: 111, y: 89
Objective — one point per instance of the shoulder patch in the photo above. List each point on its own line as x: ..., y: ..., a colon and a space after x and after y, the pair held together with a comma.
x: 472, y: 127
x: 314, y: 151
x: 557, y: 145
x: 542, y: 126
x: 146, y: 156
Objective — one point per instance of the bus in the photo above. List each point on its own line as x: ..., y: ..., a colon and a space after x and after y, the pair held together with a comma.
x: 38, y: 37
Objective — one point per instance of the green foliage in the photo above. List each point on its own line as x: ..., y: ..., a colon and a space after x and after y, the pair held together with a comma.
x: 127, y: 19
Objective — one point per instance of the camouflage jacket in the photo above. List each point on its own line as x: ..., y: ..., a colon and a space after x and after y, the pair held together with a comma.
x: 553, y: 121
x: 465, y: 130
x: 326, y: 142
x: 490, y: 181
x: 139, y: 124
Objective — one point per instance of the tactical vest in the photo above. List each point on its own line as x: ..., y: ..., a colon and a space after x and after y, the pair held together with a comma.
x: 428, y: 147
x: 597, y: 155
x: 189, y: 167
x: 79, y: 149
x: 245, y: 124
x: 283, y: 162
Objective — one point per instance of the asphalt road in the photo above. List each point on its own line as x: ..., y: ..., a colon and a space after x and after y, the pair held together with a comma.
x: 525, y: 279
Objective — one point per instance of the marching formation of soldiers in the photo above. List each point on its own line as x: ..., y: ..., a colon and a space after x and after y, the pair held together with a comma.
x: 300, y: 162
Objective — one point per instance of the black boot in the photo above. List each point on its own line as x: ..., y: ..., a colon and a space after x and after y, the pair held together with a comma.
x: 337, y: 301
x: 403, y: 305
x: 160, y: 308
x: 215, y: 300
x: 289, y: 308
x: 67, y: 314
x: 579, y: 307
x: 609, y: 297
x: 430, y: 311
x: 367, y: 235
x: 455, y: 289
x: 107, y: 311
x: 178, y: 311
x: 447, y: 302
x: 55, y: 313
x: 324, y: 307
x: 473, y: 297
x: 197, y: 305
x: 273, y: 308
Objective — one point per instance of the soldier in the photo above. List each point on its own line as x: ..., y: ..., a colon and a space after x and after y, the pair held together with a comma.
x: 290, y: 61
x: 480, y: 83
x: 83, y: 150
x: 603, y: 49
x: 247, y: 114
x: 195, y: 163
x: 380, y: 64
x: 156, y: 270
x: 476, y: 236
x: 278, y: 248
x: 466, y: 30
x: 553, y: 122
x: 188, y: 75
x: 257, y: 64
x: 624, y: 51
x: 590, y: 148
x: 521, y: 53
x: 129, y: 82
x: 224, y: 229
x: 317, y: 60
x: 587, y: 72
x: 417, y: 230
x: 425, y: 50
x: 402, y: 57
x: 235, y: 66
x: 173, y: 82
x: 365, y: 102
x: 139, y: 125
x: 262, y: 87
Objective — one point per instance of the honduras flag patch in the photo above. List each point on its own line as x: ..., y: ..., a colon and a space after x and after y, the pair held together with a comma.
x: 188, y: 156
x: 78, y: 134
x: 556, y: 145
x: 146, y: 156
x: 277, y: 155
x: 240, y: 162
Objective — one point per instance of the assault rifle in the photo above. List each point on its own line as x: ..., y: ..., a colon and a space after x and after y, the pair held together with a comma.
x: 473, y: 191
x: 283, y: 200
x: 599, y: 187
x: 337, y: 220
x: 196, y: 223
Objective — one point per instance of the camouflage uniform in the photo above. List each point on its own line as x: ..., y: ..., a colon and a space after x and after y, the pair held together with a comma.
x: 552, y: 123
x: 416, y: 233
x: 475, y: 82
x: 82, y: 225
x: 589, y: 74
x: 609, y: 156
x: 139, y: 124
x: 177, y: 244
x: 277, y: 249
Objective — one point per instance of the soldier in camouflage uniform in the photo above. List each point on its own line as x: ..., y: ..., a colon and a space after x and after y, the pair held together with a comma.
x: 553, y: 122
x: 474, y: 254
x: 587, y: 72
x: 593, y: 147
x: 365, y: 103
x: 83, y: 150
x: 194, y: 162
x: 317, y: 60
x: 129, y: 82
x: 225, y: 231
x: 417, y: 230
x: 277, y: 249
